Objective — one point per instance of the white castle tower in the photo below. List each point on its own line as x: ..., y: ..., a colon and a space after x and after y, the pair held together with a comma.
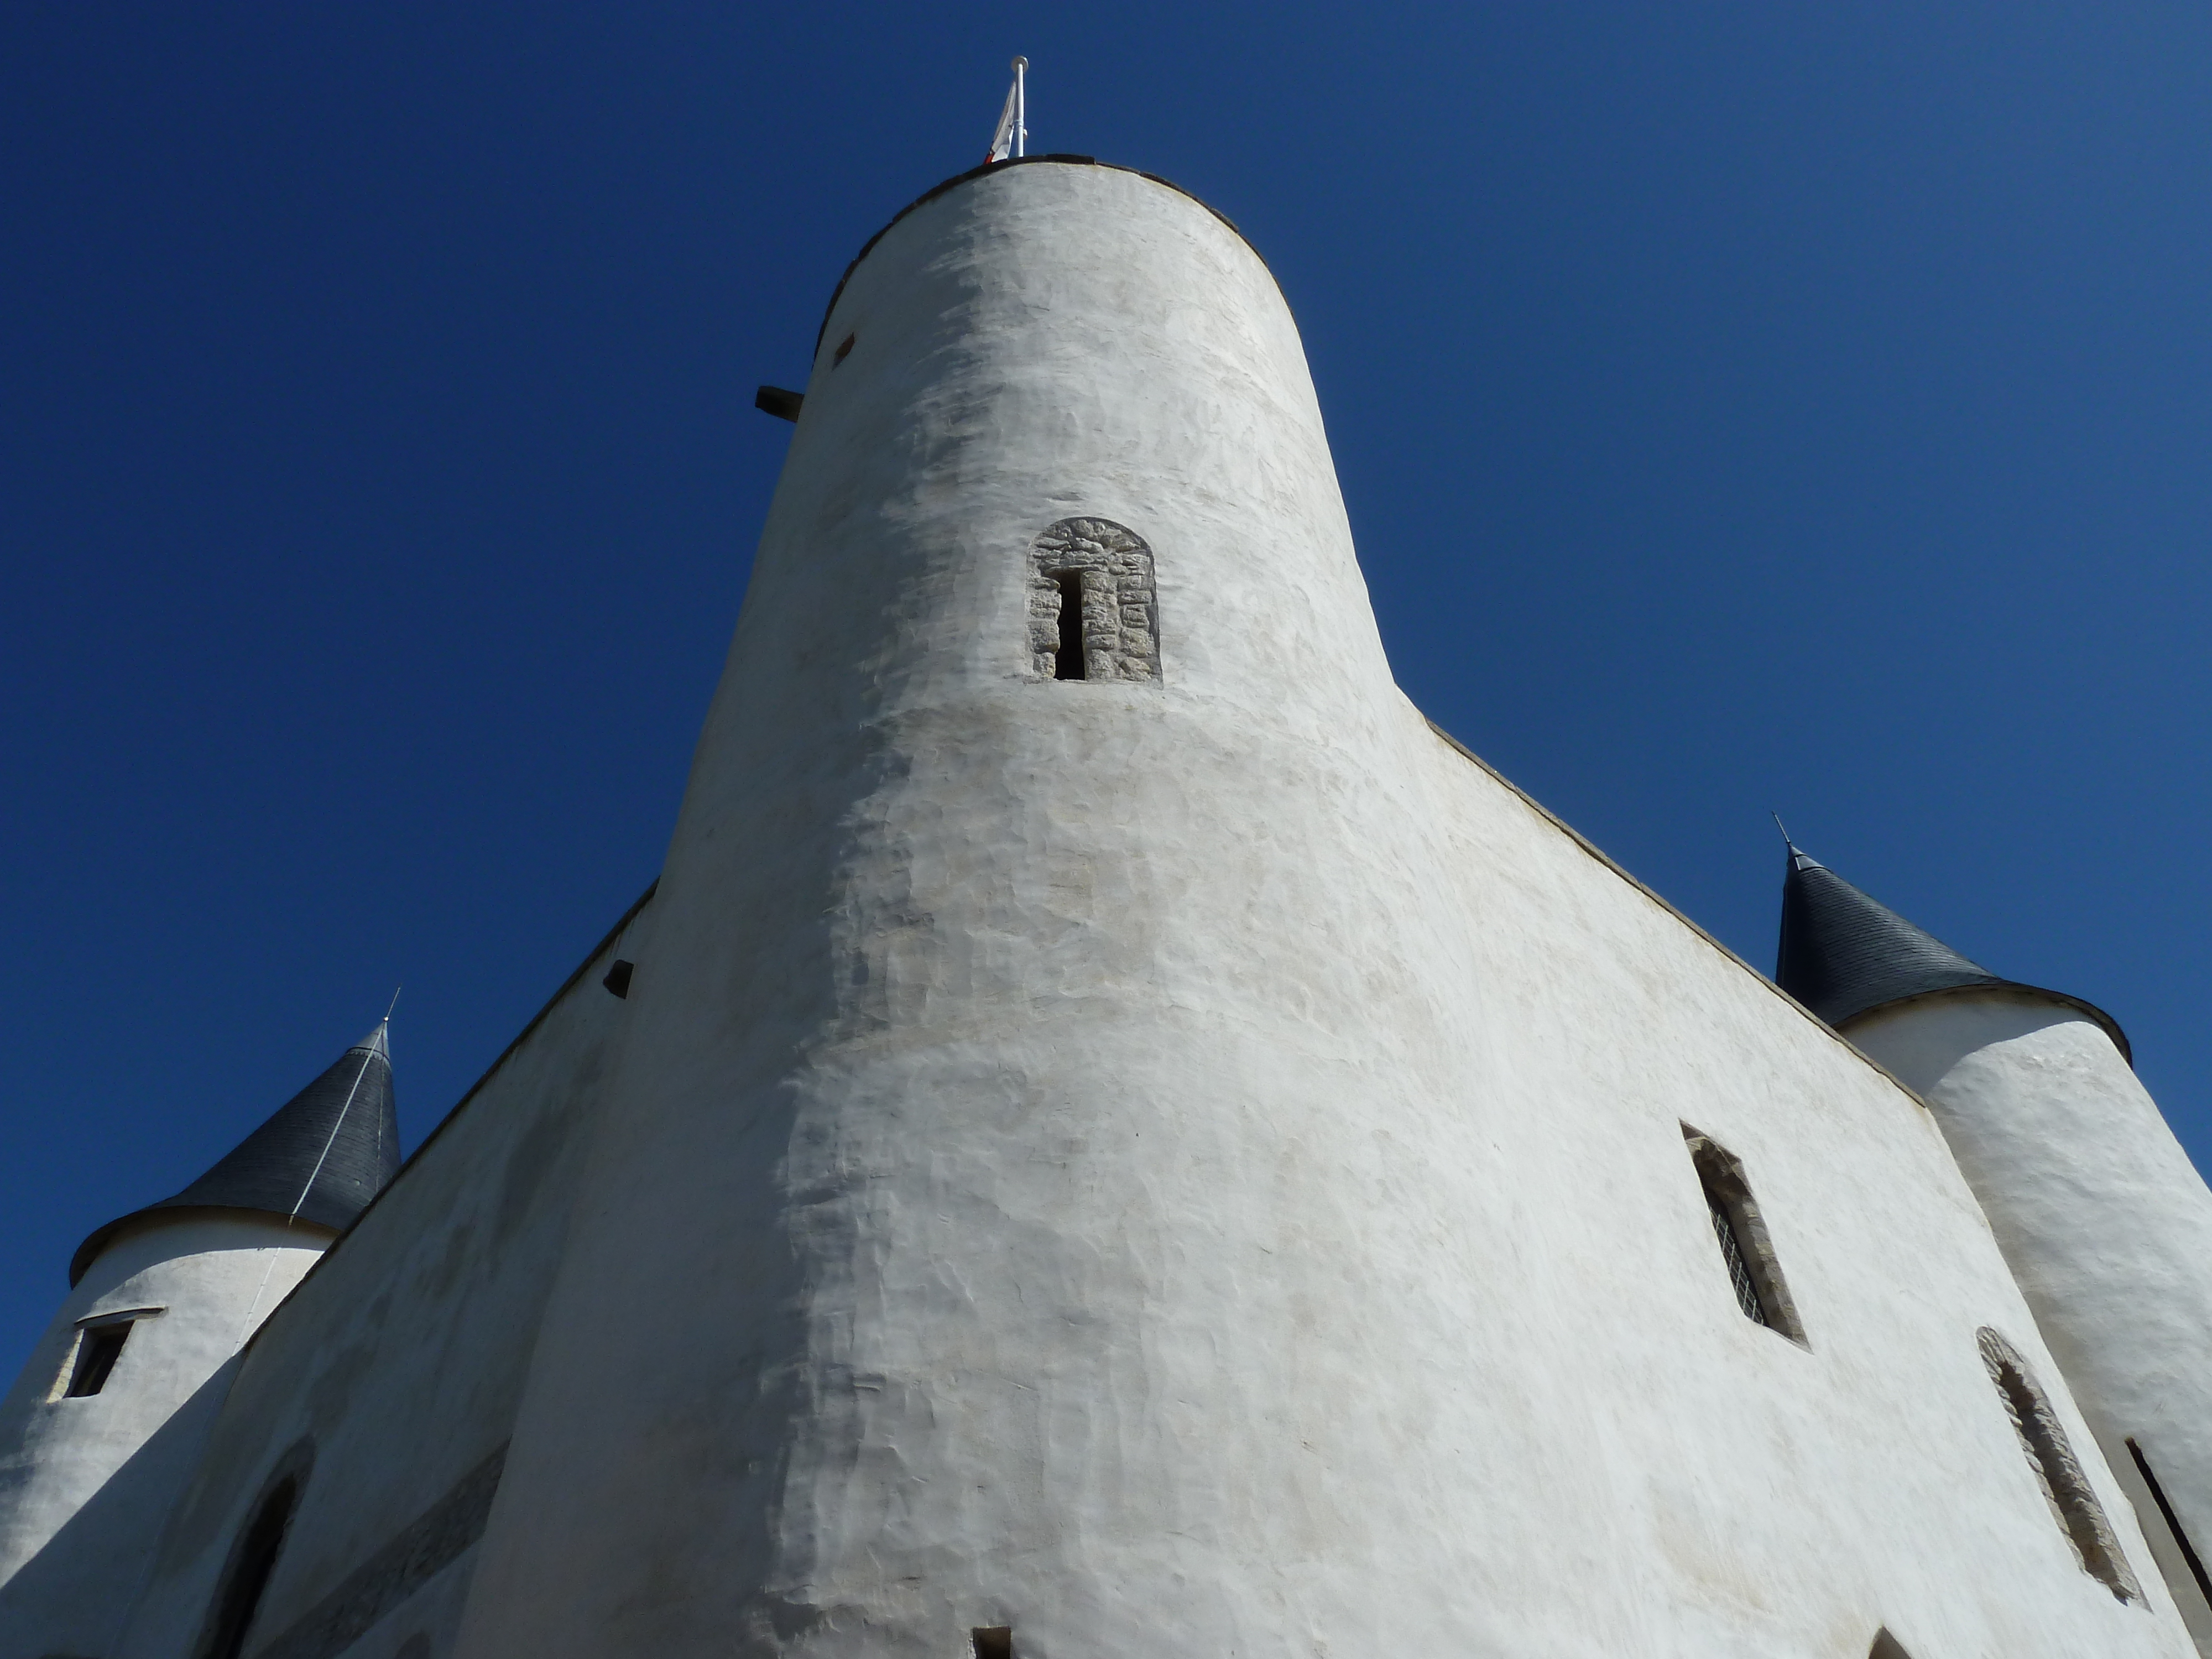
x: 2106, y: 1222
x: 1129, y: 1142
x: 1112, y: 1137
x: 103, y: 1428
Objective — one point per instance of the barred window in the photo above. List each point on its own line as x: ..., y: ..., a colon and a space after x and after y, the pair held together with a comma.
x: 2050, y: 1459
x: 1741, y: 1232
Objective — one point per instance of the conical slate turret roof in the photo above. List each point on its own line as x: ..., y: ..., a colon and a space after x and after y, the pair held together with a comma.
x: 320, y: 1157
x: 1844, y: 954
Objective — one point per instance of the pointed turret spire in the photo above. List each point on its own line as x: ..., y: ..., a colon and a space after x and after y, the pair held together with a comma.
x: 1844, y: 954
x: 320, y: 1157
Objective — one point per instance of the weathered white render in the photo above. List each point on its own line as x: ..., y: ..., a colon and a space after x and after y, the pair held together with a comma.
x: 2106, y: 1222
x: 1182, y: 1159
x: 86, y: 1483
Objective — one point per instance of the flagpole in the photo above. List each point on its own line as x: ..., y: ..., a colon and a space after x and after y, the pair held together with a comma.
x: 1021, y: 106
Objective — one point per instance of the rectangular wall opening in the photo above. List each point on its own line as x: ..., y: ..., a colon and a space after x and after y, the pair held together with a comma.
x: 994, y: 1641
x: 98, y: 1348
x: 1067, y: 663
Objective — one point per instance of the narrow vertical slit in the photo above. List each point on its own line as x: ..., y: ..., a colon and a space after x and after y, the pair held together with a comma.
x: 2172, y: 1521
x: 1068, y: 664
x: 1091, y: 607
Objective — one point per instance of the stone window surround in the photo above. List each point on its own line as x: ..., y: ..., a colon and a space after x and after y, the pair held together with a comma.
x: 1720, y: 1173
x: 2050, y: 1457
x: 1121, y: 603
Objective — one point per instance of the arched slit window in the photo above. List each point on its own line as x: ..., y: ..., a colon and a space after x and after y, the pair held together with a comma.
x: 1740, y: 1232
x: 2050, y: 1457
x: 1094, y: 613
x: 252, y: 1560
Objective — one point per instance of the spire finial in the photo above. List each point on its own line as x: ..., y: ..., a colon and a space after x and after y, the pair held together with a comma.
x: 1799, y: 859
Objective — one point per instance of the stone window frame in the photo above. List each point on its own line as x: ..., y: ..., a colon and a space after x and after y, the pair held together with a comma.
x: 2049, y: 1453
x: 1115, y: 567
x: 1729, y: 1203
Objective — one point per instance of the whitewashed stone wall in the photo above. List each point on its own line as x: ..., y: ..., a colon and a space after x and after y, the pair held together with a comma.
x: 2107, y: 1223
x: 1183, y: 1160
x: 394, y: 1371
x: 1198, y: 1165
x: 86, y: 1483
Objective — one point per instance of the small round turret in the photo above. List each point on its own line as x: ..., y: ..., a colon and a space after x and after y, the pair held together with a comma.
x: 104, y: 1425
x: 2105, y: 1221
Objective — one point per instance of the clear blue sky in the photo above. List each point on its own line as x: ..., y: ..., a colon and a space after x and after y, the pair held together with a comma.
x: 1738, y: 407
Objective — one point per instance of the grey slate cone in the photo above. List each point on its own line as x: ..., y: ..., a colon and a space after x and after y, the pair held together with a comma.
x: 321, y: 1157
x: 1844, y: 954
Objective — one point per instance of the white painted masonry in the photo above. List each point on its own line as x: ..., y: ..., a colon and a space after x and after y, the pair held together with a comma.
x: 2107, y: 1223
x: 1198, y: 1165
x: 1184, y: 1160
x: 397, y: 1365
x: 86, y: 1483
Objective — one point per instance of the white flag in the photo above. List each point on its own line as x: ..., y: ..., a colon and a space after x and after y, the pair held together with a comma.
x: 1012, y: 132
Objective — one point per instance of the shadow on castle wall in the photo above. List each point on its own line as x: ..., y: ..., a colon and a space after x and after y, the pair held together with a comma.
x: 76, y: 1596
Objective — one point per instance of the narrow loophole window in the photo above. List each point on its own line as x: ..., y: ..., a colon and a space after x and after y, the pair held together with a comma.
x: 2051, y: 1458
x: 993, y: 1641
x: 844, y: 350
x: 1068, y: 665
x: 1092, y: 611
x: 2172, y: 1521
x: 250, y: 1572
x: 98, y: 1348
x: 1746, y: 1250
